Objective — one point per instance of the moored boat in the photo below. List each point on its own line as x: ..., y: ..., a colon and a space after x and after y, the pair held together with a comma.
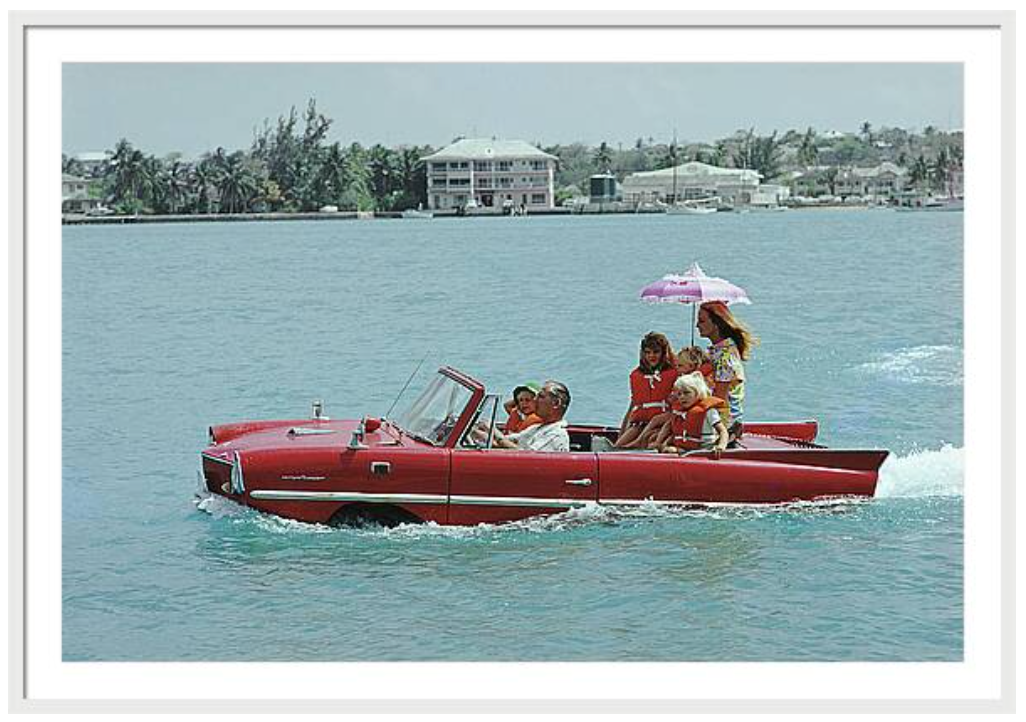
x: 686, y: 209
x: 417, y: 213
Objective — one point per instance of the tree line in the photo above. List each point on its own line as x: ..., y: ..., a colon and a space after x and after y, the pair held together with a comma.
x: 290, y: 166
x: 929, y: 157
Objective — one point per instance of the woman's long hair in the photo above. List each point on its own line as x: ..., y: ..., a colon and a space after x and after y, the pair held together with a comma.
x: 659, y: 342
x: 730, y: 327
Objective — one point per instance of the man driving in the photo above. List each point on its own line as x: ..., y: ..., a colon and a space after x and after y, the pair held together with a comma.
x: 551, y: 404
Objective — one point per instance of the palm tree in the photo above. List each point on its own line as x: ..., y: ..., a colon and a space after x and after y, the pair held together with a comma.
x: 332, y: 176
x: 384, y: 176
x: 412, y: 177
x: 603, y: 157
x: 759, y: 153
x: 357, y: 192
x: 176, y: 184
x: 203, y: 183
x: 719, y: 154
x: 71, y: 165
x: 130, y: 171
x: 867, y: 132
x: 919, y: 173
x: 237, y: 184
x: 830, y: 176
x: 807, y: 151
x: 940, y: 173
x: 672, y: 157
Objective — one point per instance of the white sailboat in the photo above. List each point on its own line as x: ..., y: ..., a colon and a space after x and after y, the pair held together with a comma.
x: 692, y: 208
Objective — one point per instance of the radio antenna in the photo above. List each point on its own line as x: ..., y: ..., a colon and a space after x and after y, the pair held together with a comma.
x: 403, y: 389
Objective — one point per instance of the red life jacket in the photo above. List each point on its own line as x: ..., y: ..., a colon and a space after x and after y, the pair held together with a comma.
x: 649, y: 392
x: 518, y: 422
x: 687, y: 427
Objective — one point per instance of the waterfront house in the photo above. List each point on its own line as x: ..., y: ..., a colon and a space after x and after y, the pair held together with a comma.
x: 690, y: 181
x: 886, y: 180
x: 882, y: 182
x: 497, y: 174
x: 75, y: 195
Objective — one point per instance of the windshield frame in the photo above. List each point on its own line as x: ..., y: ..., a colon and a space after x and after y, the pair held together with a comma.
x: 462, y: 417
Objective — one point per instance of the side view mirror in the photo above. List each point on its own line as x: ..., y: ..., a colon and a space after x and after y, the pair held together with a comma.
x: 356, y: 440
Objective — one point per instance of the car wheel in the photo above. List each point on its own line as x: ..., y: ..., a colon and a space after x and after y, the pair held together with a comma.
x: 361, y: 516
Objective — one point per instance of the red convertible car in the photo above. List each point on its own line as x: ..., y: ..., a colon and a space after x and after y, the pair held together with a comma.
x: 425, y: 465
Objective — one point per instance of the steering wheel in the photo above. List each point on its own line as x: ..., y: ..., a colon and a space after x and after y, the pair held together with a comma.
x: 444, y: 427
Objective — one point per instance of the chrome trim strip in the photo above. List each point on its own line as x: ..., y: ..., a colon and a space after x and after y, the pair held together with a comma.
x: 303, y: 477
x: 518, y: 501
x: 305, y: 431
x: 238, y: 483
x: 508, y: 501
x: 218, y: 459
x: 284, y: 495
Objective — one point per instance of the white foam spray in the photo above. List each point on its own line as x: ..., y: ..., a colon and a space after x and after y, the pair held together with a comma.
x: 936, y: 472
x: 929, y: 365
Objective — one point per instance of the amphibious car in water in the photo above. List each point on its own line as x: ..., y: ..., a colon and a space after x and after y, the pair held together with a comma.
x: 426, y: 466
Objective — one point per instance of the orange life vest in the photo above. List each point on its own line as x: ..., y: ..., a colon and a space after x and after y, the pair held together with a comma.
x: 649, y: 392
x: 687, y: 427
x: 519, y: 422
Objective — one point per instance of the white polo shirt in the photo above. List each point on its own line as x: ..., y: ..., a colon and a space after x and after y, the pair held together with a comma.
x: 543, y: 437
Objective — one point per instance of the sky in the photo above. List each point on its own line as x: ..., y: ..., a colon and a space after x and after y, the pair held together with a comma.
x: 193, y: 108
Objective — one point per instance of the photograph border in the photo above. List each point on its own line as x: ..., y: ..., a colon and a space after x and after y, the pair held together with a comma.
x: 22, y: 23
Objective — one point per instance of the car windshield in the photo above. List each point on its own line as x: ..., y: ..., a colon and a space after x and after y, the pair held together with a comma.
x: 433, y: 415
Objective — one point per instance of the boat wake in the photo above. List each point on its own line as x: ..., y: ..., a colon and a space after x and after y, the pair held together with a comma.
x: 936, y: 472
x: 930, y: 365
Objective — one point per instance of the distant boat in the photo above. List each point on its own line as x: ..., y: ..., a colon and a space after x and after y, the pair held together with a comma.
x: 417, y: 213
x: 933, y: 204
x: 772, y: 208
x: 683, y: 209
x: 696, y: 207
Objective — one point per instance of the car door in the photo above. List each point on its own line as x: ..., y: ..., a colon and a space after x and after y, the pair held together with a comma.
x: 499, y: 485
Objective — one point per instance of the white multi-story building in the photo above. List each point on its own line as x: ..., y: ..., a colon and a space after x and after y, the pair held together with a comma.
x: 75, y: 196
x: 490, y: 174
x: 691, y: 181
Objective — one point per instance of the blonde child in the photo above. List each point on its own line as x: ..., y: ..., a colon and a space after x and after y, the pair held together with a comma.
x: 698, y: 417
x: 694, y: 358
x: 689, y: 360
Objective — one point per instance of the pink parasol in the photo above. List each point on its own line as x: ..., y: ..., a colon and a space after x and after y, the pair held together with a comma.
x: 695, y: 288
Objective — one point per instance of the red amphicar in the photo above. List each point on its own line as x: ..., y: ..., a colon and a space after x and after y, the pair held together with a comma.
x: 425, y: 465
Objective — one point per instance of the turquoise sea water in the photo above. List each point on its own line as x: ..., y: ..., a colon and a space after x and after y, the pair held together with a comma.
x: 170, y: 328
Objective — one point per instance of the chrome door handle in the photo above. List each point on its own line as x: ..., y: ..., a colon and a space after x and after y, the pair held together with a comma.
x: 579, y: 482
x: 380, y: 468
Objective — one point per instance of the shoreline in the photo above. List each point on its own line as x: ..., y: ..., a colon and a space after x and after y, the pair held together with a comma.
x: 72, y: 219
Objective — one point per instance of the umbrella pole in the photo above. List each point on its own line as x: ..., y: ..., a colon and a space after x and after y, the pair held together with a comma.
x: 693, y: 313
